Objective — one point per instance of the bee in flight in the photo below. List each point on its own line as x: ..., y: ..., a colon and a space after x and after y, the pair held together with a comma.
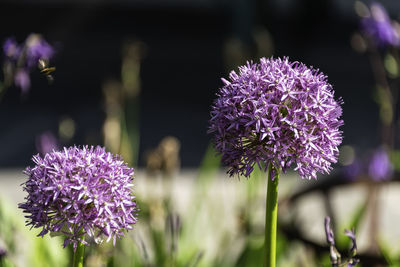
x: 43, y: 65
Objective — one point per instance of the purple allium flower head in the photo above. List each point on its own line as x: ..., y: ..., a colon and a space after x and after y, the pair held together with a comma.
x: 277, y: 112
x: 46, y: 142
x: 380, y: 167
x: 379, y: 27
x: 78, y: 192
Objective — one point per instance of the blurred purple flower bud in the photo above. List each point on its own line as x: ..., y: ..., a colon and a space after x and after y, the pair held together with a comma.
x: 3, y: 252
x: 352, y: 236
x: 353, y: 250
x: 328, y: 231
x: 334, y: 254
x: 379, y: 27
x: 352, y: 171
x: 11, y: 49
x: 380, y: 167
x: 37, y: 48
x: 46, y: 143
x: 22, y: 80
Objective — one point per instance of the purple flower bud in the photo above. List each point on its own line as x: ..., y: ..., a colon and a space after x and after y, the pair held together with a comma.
x: 328, y: 231
x: 380, y: 168
x: 353, y: 170
x: 335, y: 256
x: 3, y: 252
x: 46, y: 143
x: 277, y: 112
x: 11, y: 49
x: 22, y: 80
x: 352, y: 236
x: 37, y: 48
x: 379, y: 27
x: 78, y: 192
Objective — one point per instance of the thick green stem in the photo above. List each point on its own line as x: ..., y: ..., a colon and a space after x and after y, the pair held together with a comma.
x: 271, y: 217
x: 78, y: 256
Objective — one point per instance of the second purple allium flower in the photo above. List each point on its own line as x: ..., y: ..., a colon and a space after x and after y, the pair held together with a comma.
x: 277, y: 112
x: 78, y: 192
x: 378, y: 26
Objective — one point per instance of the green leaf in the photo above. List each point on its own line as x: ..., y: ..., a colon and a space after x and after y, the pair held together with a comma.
x: 391, y: 66
x: 343, y: 242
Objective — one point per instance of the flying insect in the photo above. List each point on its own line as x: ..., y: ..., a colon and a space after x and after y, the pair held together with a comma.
x: 47, y: 71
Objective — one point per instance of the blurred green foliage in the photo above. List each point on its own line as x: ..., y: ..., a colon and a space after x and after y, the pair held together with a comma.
x: 23, y: 247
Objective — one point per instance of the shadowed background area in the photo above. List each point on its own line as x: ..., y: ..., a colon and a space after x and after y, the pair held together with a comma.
x: 187, y: 47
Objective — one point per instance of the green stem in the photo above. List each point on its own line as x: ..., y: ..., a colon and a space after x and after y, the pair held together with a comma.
x: 78, y: 255
x: 271, y: 217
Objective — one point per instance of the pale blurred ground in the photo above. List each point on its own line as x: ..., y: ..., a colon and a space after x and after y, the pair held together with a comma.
x: 227, y: 194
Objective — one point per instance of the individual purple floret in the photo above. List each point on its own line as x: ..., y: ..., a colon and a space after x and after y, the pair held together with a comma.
x: 380, y: 168
x: 46, y: 142
x: 277, y: 112
x: 78, y: 192
x: 379, y: 27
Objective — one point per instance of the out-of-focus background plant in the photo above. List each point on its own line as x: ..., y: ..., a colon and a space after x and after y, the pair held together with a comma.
x: 139, y: 77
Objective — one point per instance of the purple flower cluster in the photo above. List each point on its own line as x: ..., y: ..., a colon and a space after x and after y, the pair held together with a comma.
x: 21, y: 58
x: 378, y: 26
x: 78, y: 192
x: 277, y: 112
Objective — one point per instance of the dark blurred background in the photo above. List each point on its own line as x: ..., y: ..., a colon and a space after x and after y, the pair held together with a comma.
x: 186, y: 51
